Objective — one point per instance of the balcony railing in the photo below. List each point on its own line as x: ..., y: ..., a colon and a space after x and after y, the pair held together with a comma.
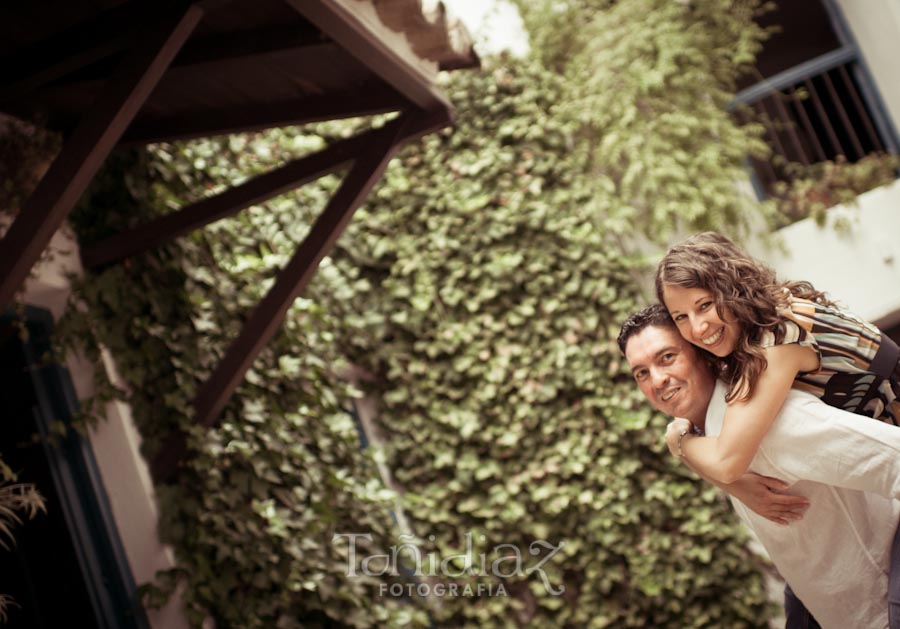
x: 814, y: 112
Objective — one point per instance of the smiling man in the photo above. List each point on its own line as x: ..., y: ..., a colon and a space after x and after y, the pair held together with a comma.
x: 673, y: 377
x: 667, y: 374
x: 838, y: 556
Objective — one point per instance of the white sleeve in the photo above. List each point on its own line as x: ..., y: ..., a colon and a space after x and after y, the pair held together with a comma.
x: 813, y: 441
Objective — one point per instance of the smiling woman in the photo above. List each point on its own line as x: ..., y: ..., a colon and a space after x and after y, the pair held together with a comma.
x: 699, y: 321
x: 767, y: 336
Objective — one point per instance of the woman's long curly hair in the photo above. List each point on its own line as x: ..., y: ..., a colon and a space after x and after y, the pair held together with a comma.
x: 745, y: 290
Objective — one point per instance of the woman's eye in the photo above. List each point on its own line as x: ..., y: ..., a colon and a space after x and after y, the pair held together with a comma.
x: 705, y: 305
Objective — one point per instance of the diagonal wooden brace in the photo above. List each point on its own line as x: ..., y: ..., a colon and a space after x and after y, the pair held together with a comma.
x: 84, y: 152
x: 266, y: 318
x: 259, y: 189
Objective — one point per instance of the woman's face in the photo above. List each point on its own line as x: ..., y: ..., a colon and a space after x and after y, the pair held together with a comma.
x: 694, y: 312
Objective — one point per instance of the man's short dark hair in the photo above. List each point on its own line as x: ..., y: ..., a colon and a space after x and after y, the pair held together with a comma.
x: 655, y: 315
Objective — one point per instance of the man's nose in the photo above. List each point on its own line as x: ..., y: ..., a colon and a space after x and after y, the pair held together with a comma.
x: 660, y: 378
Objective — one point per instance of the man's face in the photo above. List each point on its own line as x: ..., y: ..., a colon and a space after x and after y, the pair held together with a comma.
x: 670, y: 373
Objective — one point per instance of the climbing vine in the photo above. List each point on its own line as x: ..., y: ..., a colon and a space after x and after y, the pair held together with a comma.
x: 475, y: 297
x: 479, y: 290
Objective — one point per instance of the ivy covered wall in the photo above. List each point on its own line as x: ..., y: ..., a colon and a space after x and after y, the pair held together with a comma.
x: 480, y: 288
x: 478, y: 291
x: 649, y: 87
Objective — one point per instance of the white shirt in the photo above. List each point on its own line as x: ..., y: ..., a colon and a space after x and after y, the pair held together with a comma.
x: 837, y: 557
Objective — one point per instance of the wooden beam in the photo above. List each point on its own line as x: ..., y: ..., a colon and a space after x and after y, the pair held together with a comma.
x: 364, y: 101
x: 36, y: 77
x: 65, y: 52
x: 376, y: 47
x: 164, y: 466
x: 217, y: 50
x: 87, y: 148
x: 266, y: 318
x: 76, y: 48
x: 292, y: 175
x: 253, y: 43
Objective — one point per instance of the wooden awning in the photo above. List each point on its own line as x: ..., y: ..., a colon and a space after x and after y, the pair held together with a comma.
x: 113, y: 71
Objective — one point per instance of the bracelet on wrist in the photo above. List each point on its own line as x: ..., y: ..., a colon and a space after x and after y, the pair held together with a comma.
x: 693, y: 430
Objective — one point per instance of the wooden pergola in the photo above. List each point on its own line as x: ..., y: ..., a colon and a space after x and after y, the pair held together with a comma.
x: 115, y: 71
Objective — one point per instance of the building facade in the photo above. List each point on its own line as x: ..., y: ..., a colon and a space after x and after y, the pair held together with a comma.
x: 843, y: 56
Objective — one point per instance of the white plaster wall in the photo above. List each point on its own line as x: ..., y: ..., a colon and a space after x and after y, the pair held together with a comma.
x: 115, y: 442
x: 875, y: 25
x: 859, y: 267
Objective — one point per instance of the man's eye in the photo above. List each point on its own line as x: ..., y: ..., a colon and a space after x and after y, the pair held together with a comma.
x: 640, y: 375
x: 668, y: 357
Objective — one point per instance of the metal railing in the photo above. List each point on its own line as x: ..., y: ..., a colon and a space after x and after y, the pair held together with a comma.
x: 813, y: 112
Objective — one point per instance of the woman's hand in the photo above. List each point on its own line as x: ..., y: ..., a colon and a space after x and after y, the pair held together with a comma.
x: 673, y: 433
x: 763, y: 495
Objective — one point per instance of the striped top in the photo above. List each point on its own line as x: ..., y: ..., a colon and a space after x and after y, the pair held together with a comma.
x: 846, y: 346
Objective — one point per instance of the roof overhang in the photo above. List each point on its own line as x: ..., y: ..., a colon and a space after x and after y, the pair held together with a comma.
x: 246, y: 65
x: 113, y: 71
